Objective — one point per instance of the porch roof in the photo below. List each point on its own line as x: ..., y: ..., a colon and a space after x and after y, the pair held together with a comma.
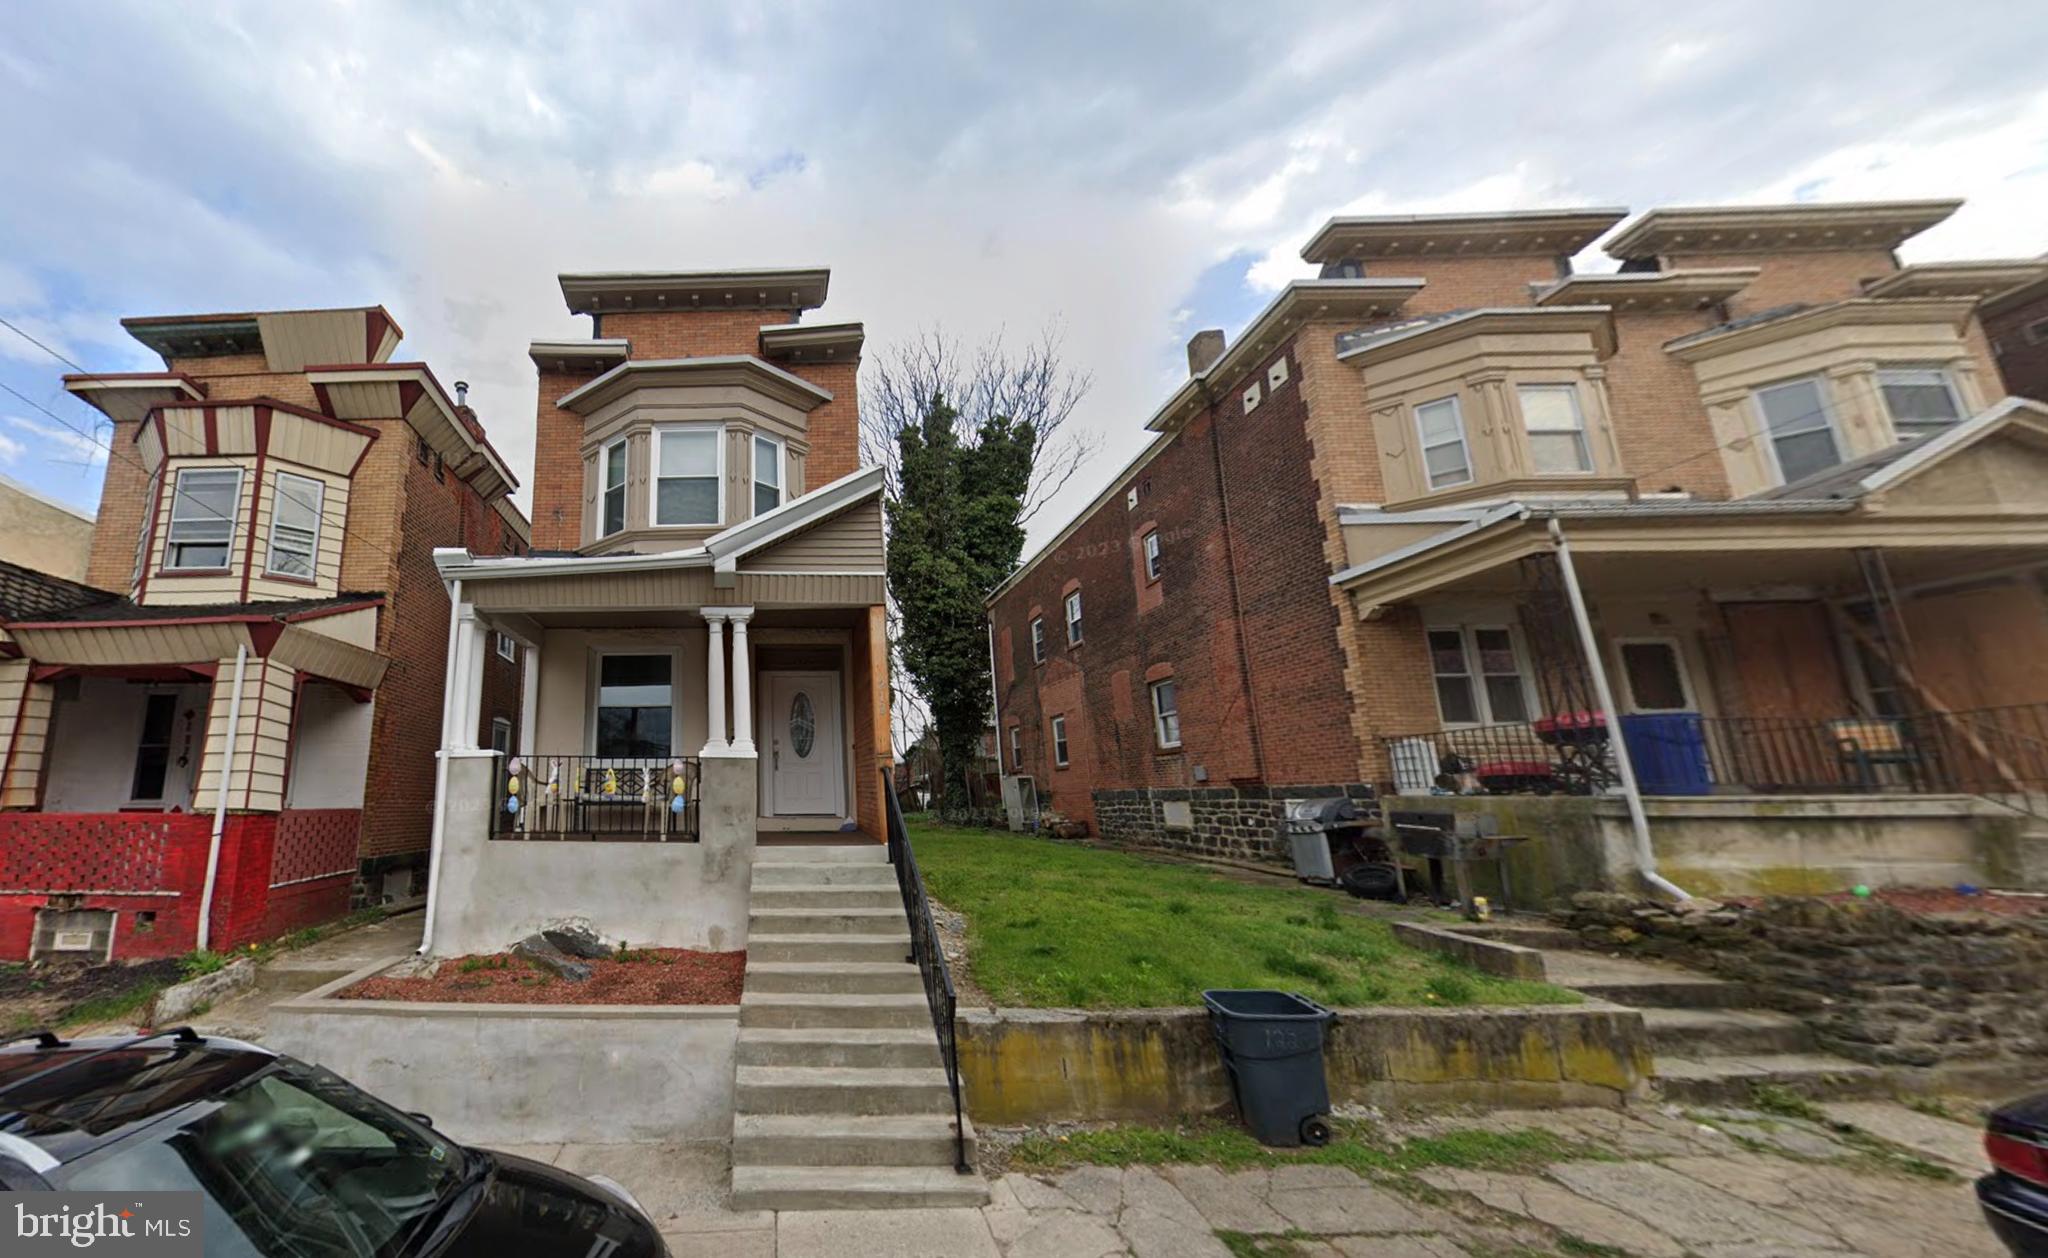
x: 118, y: 633
x: 1802, y: 534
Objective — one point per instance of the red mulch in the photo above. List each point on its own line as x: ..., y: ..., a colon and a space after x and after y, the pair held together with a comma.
x: 648, y: 976
x: 1945, y: 900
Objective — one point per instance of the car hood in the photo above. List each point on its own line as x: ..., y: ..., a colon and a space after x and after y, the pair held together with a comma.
x: 533, y: 1208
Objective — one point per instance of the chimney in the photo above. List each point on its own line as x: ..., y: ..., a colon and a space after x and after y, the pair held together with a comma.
x: 1204, y: 348
x: 462, y: 393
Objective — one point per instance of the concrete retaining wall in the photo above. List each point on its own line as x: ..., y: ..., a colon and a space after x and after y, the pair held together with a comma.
x: 526, y: 1074
x: 494, y: 892
x: 1754, y: 845
x: 1040, y: 1065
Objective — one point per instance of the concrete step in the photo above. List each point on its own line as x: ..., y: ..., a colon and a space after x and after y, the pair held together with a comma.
x: 1527, y: 936
x: 900, y: 1048
x: 825, y: 921
x: 835, y: 977
x: 840, y: 1090
x: 1640, y: 984
x: 857, y: 1140
x: 824, y: 853
x: 1730, y: 1080
x: 781, y: 873
x: 1724, y: 1032
x: 814, y: 1010
x: 828, y: 897
x: 854, y: 1188
x: 883, y: 946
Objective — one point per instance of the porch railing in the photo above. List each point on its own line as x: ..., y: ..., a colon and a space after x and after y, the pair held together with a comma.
x: 931, y: 963
x: 1999, y: 752
x: 604, y: 799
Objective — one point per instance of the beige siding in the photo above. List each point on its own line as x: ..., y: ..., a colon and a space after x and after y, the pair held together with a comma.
x: 673, y: 590
x: 310, y: 443
x: 295, y: 340
x: 262, y: 735
x: 327, y: 557
x: 24, y: 733
x: 144, y: 644
x: 358, y: 628
x: 172, y: 588
x: 364, y: 400
x: 848, y: 542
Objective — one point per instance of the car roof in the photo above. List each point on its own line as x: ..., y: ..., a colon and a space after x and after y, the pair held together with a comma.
x: 70, y: 1098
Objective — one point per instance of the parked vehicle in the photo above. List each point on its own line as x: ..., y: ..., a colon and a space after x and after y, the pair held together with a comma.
x: 2015, y: 1194
x: 288, y: 1158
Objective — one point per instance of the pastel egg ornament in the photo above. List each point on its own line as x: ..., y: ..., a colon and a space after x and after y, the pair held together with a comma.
x: 677, y: 805
x: 512, y: 786
x: 512, y: 804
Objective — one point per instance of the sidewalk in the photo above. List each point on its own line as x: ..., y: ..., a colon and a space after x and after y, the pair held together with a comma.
x: 244, y: 1015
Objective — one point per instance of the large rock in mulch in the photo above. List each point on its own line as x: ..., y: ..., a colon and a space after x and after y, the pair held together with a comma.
x: 543, y: 953
x: 578, y: 941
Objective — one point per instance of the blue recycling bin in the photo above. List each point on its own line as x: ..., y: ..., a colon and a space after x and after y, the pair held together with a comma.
x: 1669, y: 751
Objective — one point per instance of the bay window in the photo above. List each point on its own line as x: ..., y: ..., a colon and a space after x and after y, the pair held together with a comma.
x: 204, y: 501
x: 1802, y: 432
x: 1922, y: 401
x: 612, y: 505
x: 1445, y: 458
x: 687, y: 465
x: 768, y: 475
x: 1556, y: 429
x: 294, y: 525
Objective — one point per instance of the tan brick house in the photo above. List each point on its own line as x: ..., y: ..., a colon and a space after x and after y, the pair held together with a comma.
x: 188, y: 735
x: 701, y: 624
x: 1808, y: 538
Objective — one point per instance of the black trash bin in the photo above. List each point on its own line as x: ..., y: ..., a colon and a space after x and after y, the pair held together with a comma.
x: 1272, y: 1045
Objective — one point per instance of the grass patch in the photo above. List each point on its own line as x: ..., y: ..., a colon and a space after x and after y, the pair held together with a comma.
x: 201, y: 961
x: 123, y: 1006
x: 1232, y: 1148
x: 1285, y: 1245
x: 1055, y: 925
x: 1771, y: 1098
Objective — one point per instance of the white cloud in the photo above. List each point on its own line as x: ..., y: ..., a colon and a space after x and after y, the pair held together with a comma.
x: 60, y: 443
x: 11, y: 450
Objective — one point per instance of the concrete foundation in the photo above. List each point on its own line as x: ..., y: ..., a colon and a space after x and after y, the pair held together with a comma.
x: 494, y: 892
x: 1044, y: 1065
x: 1724, y: 845
x: 526, y: 1074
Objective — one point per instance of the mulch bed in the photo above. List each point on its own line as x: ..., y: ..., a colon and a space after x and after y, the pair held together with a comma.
x: 645, y: 976
x: 1941, y: 901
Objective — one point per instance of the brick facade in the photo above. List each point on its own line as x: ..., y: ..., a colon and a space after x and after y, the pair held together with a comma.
x: 2020, y: 333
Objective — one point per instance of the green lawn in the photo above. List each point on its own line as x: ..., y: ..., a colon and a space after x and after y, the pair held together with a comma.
x: 1057, y: 925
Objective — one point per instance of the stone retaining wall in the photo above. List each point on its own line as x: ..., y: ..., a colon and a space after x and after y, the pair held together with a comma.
x: 1044, y: 1065
x: 1875, y: 983
x: 1237, y: 822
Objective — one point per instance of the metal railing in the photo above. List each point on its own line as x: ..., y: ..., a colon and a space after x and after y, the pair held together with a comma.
x: 930, y: 959
x: 1996, y: 752
x: 601, y: 799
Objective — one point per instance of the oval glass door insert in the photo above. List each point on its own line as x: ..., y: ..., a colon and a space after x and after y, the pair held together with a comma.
x: 803, y: 725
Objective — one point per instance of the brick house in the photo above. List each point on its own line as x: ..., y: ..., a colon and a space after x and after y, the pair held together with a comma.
x: 1802, y: 515
x: 703, y: 652
x: 187, y: 735
x: 2016, y: 320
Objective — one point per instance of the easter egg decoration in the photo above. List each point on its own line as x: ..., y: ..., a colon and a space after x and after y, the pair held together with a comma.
x: 512, y: 804
x: 512, y: 786
x: 678, y: 805
x: 514, y: 765
x: 1861, y: 891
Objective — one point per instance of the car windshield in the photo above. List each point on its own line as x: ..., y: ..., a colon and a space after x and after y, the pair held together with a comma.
x: 291, y: 1163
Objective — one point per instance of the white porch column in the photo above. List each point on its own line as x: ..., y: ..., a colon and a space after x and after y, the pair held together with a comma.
x: 742, y: 686
x: 468, y: 707
x: 529, y: 697
x: 714, y: 685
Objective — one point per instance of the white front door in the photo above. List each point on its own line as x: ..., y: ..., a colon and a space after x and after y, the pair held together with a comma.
x: 806, y: 762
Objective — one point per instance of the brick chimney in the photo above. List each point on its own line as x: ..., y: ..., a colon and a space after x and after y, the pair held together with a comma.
x: 1204, y: 348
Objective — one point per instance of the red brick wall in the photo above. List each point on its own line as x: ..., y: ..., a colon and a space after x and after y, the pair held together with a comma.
x: 2023, y: 363
x: 691, y: 333
x: 834, y: 428
x: 1666, y: 439
x: 557, y: 465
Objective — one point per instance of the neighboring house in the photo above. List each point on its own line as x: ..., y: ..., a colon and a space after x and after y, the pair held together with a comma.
x: 41, y: 533
x: 1811, y: 574
x: 2016, y: 319
x: 701, y: 619
x: 922, y: 770
x: 186, y: 747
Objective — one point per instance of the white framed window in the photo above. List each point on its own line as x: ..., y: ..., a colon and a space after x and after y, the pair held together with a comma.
x: 501, y: 735
x: 1074, y: 618
x: 1446, y: 460
x: 1801, y: 428
x: 611, y: 510
x: 1480, y: 678
x: 1653, y: 673
x: 1017, y: 749
x: 505, y: 647
x: 1038, y: 639
x: 689, y: 476
x: 1151, y: 544
x: 634, y: 706
x: 1556, y: 428
x: 1059, y: 741
x: 204, y: 503
x: 768, y: 474
x: 1166, y: 713
x: 1922, y: 400
x: 294, y: 525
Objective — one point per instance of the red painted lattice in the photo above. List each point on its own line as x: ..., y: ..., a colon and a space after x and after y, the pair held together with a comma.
x: 76, y: 852
x: 314, y: 843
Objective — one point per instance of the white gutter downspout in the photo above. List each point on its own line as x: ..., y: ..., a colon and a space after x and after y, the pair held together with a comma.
x: 220, y: 795
x: 437, y: 838
x: 1646, y: 857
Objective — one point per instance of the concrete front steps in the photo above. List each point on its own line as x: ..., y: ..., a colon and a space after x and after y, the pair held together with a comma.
x: 841, y: 1101
x: 1711, y: 1044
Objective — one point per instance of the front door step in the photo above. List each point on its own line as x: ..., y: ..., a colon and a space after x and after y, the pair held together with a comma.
x: 854, y: 1188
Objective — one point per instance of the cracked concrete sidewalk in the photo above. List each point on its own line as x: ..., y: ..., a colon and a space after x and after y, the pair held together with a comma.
x: 1709, y: 1184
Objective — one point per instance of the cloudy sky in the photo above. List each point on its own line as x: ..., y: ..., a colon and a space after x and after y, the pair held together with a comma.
x: 1133, y: 171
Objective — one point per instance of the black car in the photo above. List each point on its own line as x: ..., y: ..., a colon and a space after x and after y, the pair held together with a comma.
x: 2015, y: 1194
x: 289, y: 1160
